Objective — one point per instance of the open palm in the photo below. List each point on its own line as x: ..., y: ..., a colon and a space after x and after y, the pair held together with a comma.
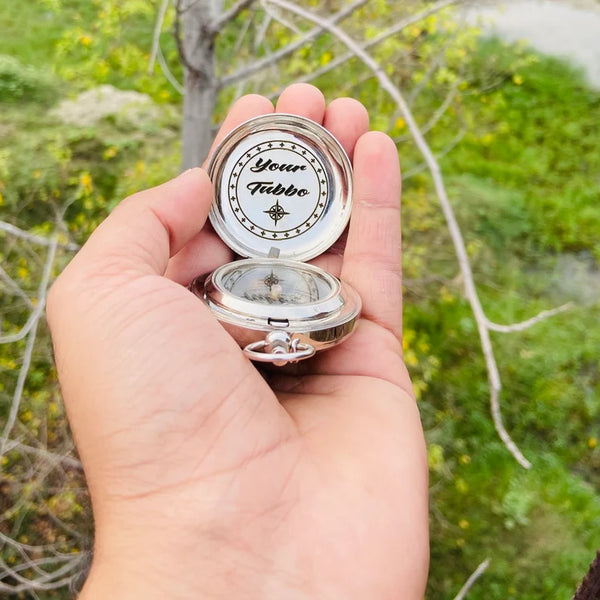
x: 210, y: 479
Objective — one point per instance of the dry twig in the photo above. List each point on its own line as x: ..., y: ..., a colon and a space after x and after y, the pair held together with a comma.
x: 477, y: 573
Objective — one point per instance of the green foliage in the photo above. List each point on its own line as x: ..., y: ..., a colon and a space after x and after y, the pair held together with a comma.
x: 20, y: 82
x: 544, y: 150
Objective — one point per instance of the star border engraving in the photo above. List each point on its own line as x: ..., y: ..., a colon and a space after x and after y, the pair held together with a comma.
x: 259, y: 230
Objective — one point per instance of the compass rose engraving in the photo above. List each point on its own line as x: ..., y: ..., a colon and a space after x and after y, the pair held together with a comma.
x: 276, y: 212
x: 277, y: 170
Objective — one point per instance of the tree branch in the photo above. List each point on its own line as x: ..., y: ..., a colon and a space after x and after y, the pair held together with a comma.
x: 160, y: 19
x: 31, y: 321
x: 479, y: 571
x: 445, y: 150
x: 258, y: 65
x: 455, y: 233
x: 68, y: 461
x: 230, y: 14
x: 11, y: 283
x: 164, y: 67
x: 34, y: 238
x: 279, y: 19
x: 542, y: 316
x: 393, y: 30
x: 42, y: 292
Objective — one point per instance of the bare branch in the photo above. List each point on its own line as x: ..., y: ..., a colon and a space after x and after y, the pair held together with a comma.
x: 164, y: 67
x: 290, y: 48
x: 46, y: 581
x: 230, y: 14
x: 445, y: 150
x: 160, y: 19
x: 477, y: 573
x: 435, y: 65
x: 393, y: 30
x: 68, y: 461
x: 31, y: 321
x: 35, y: 549
x: 545, y: 314
x: 242, y: 34
x: 34, y: 238
x: 12, y: 284
x: 442, y: 108
x: 42, y: 292
x: 455, y: 233
x: 280, y: 19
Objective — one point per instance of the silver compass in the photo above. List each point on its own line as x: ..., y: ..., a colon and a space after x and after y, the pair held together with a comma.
x: 283, y: 189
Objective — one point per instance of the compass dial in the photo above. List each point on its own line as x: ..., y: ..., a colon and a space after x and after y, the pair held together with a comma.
x: 274, y: 284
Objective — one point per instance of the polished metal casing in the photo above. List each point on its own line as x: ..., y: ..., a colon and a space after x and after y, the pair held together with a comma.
x: 266, y: 163
x: 321, y: 323
x: 283, y: 195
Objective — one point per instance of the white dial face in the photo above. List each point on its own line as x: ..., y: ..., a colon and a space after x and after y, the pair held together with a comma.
x: 274, y: 284
x: 281, y: 183
x: 278, y: 189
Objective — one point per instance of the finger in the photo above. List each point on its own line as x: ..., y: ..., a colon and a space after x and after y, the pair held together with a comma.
x: 332, y: 263
x: 304, y: 100
x: 347, y: 119
x: 140, y: 235
x: 247, y: 107
x: 206, y: 251
x: 372, y: 260
x: 202, y: 254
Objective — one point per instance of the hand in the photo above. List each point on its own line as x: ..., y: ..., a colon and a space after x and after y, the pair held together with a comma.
x: 208, y: 480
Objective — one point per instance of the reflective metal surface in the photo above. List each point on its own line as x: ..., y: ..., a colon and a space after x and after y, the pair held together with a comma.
x: 283, y: 194
x: 333, y: 303
x: 281, y: 181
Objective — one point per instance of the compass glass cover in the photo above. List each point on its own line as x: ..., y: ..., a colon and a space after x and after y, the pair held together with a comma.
x: 276, y: 284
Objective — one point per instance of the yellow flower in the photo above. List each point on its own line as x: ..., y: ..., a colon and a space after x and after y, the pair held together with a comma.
x: 461, y: 485
x: 85, y: 40
x: 592, y: 442
x: 85, y: 180
x: 487, y: 139
x: 326, y: 58
x: 400, y: 123
x: 463, y: 524
x: 37, y: 174
x: 517, y: 79
x: 110, y: 153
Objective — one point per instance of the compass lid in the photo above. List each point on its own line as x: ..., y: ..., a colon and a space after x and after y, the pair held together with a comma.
x: 283, y: 187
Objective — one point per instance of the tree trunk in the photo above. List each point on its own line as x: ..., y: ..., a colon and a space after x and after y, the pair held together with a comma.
x: 590, y: 586
x: 197, y: 17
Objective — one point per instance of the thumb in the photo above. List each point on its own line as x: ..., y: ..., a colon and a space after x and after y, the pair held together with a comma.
x: 149, y: 227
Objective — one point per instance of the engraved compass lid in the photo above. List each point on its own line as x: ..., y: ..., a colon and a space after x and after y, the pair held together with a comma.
x: 283, y: 187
